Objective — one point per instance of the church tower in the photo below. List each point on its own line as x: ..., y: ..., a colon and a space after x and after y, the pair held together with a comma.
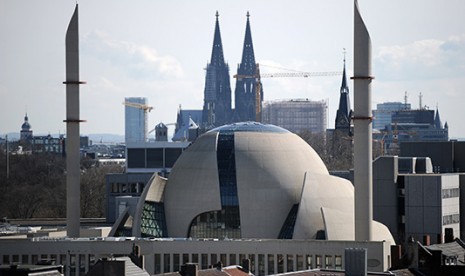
x: 344, y: 113
x: 247, y: 102
x: 217, y: 93
x: 26, y: 132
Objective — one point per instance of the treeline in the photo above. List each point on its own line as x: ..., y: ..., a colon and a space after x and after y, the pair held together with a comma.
x: 34, y: 186
x: 336, y: 149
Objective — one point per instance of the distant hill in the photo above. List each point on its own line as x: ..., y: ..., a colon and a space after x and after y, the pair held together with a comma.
x: 105, y: 138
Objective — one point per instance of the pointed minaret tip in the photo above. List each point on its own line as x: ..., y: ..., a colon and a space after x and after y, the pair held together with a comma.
x: 217, y: 15
x: 248, y: 15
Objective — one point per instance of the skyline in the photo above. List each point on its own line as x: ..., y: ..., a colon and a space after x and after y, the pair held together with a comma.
x: 159, y: 51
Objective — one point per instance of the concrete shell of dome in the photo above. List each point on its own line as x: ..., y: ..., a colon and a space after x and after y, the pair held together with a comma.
x: 270, y: 171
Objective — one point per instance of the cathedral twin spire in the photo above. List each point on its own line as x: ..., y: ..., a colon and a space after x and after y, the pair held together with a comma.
x: 217, y: 57
x: 217, y: 108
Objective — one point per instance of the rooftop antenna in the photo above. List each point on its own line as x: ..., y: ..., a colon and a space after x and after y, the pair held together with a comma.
x: 405, y: 98
x: 420, y: 97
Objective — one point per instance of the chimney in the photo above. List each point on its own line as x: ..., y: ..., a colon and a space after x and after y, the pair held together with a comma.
x: 449, y: 236
x: 189, y: 269
x: 355, y: 261
x: 246, y: 265
x: 426, y: 240
x: 396, y: 254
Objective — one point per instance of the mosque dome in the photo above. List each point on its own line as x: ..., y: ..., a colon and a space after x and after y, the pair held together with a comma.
x: 250, y: 180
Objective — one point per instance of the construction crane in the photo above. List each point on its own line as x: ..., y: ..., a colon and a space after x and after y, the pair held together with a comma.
x: 258, y: 87
x: 138, y: 105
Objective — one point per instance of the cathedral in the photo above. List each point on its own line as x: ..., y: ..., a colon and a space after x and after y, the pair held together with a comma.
x: 217, y: 107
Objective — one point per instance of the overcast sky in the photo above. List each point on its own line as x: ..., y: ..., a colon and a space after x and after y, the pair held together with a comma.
x: 159, y: 49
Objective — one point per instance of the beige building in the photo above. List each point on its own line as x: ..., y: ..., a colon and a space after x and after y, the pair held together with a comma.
x: 167, y: 255
x: 296, y: 115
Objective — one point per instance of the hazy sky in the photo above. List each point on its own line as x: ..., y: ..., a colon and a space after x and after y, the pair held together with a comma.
x: 159, y: 49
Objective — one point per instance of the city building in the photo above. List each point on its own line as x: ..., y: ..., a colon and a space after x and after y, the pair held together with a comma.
x: 382, y: 115
x: 446, y: 156
x: 267, y: 256
x: 143, y: 159
x: 135, y: 114
x: 41, y: 144
x: 296, y: 115
x: 414, y: 202
x: 411, y: 125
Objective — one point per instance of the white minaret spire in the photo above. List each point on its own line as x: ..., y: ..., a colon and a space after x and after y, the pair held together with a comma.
x: 73, y: 210
x: 363, y: 170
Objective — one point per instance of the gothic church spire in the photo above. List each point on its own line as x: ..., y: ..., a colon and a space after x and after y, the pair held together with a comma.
x: 344, y: 113
x: 217, y: 57
x: 246, y: 99
x: 217, y: 93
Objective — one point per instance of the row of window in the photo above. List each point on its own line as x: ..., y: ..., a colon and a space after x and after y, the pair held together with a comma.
x: 153, y: 158
x: 448, y: 193
x: 260, y: 264
x: 127, y: 188
x: 450, y: 219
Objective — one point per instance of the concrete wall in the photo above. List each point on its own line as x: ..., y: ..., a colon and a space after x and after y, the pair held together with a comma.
x: 385, y: 192
x: 441, y: 154
x: 462, y: 205
x: 425, y: 207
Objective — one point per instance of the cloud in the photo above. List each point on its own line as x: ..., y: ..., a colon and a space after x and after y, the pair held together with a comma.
x: 424, y: 59
x: 137, y: 61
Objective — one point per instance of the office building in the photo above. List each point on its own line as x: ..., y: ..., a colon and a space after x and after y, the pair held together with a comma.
x: 135, y: 113
x: 296, y: 115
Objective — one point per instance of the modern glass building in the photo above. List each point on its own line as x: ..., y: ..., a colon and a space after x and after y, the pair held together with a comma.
x: 383, y: 113
x: 135, y: 114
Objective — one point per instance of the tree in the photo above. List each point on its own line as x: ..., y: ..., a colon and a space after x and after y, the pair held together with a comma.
x: 335, y: 148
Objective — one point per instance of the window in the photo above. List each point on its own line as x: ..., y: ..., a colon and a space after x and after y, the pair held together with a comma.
x: 290, y: 263
x: 287, y: 230
x: 449, y: 193
x: 450, y: 219
x: 157, y: 261
x: 338, y: 261
x: 166, y: 263
x: 224, y: 223
x: 328, y: 261
x: 153, y: 223
x: 271, y: 264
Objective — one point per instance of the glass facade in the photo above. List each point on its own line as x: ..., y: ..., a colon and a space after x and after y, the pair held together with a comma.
x: 287, y: 230
x: 224, y: 223
x: 153, y: 223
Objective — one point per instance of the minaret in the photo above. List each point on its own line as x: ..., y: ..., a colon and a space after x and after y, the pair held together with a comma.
x: 344, y: 113
x: 217, y: 93
x: 246, y: 99
x: 363, y: 169
x: 73, y: 171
